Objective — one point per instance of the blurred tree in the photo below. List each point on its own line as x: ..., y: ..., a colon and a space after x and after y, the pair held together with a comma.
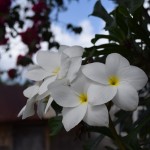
x: 40, y: 17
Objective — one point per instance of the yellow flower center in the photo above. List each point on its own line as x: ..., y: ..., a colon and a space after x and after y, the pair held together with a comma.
x: 83, y: 98
x: 56, y: 71
x: 113, y: 80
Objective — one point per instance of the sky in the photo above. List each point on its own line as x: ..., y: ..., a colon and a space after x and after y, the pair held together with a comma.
x: 77, y: 14
x: 78, y: 11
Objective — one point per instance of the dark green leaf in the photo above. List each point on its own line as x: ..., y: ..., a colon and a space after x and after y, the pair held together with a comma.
x: 92, y: 144
x: 102, y: 36
x: 117, y: 33
x: 107, y: 49
x: 100, y: 11
x: 131, y: 139
x: 132, y: 5
x: 55, y: 125
x: 121, y: 21
x: 139, y: 32
x: 103, y: 130
x: 124, y: 11
x: 57, y: 108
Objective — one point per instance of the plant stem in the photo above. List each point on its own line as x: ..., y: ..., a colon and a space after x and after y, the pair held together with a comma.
x: 118, y: 141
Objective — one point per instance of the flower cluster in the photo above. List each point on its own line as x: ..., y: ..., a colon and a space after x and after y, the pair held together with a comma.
x: 81, y: 90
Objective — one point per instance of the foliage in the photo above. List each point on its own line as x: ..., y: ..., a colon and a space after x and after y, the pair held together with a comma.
x: 55, y: 125
x: 128, y: 34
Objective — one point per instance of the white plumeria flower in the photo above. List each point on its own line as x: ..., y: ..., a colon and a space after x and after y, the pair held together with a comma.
x: 56, y: 65
x: 52, y: 66
x: 30, y: 93
x: 77, y: 104
x: 120, y: 81
x: 28, y: 110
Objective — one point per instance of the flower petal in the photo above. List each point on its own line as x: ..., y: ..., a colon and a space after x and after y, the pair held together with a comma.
x: 133, y: 75
x: 74, y: 51
x: 48, y: 60
x: 101, y: 94
x: 31, y: 91
x: 64, y: 96
x: 29, y: 109
x: 114, y: 62
x: 97, y: 116
x: 95, y: 72
x: 126, y: 97
x: 65, y: 64
x: 73, y: 116
x: 48, y: 104
x: 41, y: 108
x: 57, y: 83
x: 74, y: 68
x: 32, y: 67
x: 62, y: 48
x: 37, y: 74
x: 42, y: 96
x: 21, y: 111
x: 81, y: 84
x: 44, y: 86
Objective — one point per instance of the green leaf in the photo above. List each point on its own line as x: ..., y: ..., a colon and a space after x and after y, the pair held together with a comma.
x: 103, y: 36
x: 121, y: 21
x: 124, y: 11
x: 139, y: 32
x: 140, y: 123
x: 103, y: 130
x: 92, y: 144
x: 100, y: 11
x: 136, y: 4
x: 106, y: 49
x: 56, y: 107
x: 116, y: 32
x: 131, y: 138
x: 55, y: 125
x: 132, y: 5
